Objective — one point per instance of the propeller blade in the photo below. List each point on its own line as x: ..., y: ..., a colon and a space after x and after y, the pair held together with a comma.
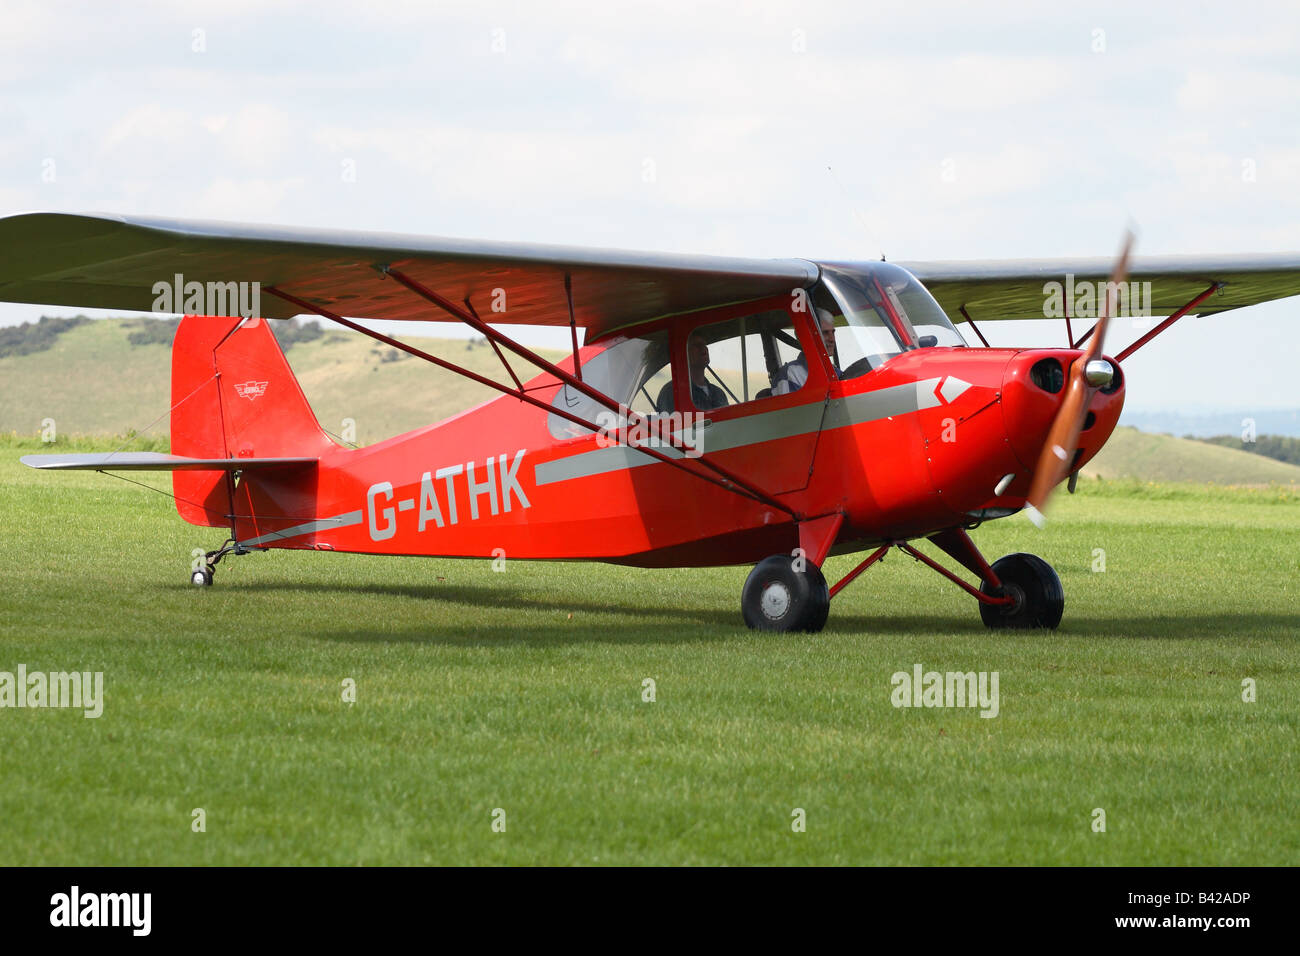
x: 1056, y: 460
x: 1057, y: 457
x: 1118, y: 276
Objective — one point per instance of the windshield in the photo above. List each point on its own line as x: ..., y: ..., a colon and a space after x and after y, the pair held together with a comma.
x: 879, y: 310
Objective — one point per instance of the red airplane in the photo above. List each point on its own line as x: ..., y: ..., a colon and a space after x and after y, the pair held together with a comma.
x: 721, y: 411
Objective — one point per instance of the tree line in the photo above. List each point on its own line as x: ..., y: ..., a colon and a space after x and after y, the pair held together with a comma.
x: 1281, y: 447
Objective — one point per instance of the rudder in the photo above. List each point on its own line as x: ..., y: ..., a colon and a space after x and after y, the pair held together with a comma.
x: 233, y: 396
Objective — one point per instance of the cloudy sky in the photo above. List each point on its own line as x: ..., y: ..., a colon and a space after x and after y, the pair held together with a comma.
x: 822, y: 130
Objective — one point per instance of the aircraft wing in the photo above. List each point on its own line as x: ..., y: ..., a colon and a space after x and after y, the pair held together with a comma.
x: 113, y: 262
x: 1015, y: 288
x: 155, y: 461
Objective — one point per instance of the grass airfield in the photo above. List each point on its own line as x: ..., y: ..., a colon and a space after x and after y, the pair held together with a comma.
x: 522, y: 691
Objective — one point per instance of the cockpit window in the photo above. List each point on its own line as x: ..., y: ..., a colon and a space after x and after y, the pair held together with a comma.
x: 879, y: 310
x: 744, y: 359
x: 632, y: 371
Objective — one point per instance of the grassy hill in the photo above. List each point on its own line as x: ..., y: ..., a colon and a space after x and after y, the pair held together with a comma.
x: 93, y: 381
x: 90, y: 381
x: 1134, y: 454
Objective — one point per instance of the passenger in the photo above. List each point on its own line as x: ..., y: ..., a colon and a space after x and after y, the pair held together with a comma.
x: 791, y: 376
x: 704, y: 394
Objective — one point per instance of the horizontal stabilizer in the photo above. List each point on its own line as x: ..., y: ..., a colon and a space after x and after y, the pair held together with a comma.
x: 154, y: 461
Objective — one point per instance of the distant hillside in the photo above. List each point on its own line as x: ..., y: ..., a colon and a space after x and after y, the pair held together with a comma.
x: 1135, y: 454
x: 93, y: 380
x: 36, y: 336
x: 387, y: 392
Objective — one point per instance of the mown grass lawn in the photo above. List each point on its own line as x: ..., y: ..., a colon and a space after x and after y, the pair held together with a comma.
x: 522, y: 691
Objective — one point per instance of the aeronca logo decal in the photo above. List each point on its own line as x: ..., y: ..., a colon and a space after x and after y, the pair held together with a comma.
x: 445, y: 494
x: 250, y: 390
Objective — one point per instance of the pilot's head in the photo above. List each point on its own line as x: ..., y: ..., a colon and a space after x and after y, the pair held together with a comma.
x: 697, y: 358
x: 826, y: 325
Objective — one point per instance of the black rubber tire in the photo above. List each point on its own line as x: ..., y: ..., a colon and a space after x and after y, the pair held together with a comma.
x: 801, y: 603
x: 206, y: 581
x: 1040, y: 599
x: 821, y: 600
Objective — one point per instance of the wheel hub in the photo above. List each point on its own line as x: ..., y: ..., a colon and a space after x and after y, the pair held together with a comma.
x: 1017, y: 595
x: 776, y: 601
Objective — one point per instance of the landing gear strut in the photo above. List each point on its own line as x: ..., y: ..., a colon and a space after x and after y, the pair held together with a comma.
x: 201, y: 575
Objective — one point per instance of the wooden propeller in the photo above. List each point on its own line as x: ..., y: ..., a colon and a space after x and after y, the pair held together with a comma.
x: 1056, y: 460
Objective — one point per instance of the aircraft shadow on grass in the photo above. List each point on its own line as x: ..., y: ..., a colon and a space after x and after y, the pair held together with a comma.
x: 724, y: 625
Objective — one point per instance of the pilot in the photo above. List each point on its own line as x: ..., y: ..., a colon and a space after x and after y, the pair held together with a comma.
x: 704, y: 394
x: 791, y: 376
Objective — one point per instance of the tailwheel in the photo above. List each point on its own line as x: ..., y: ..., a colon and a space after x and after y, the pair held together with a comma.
x: 785, y: 594
x: 1038, y: 599
x: 201, y: 575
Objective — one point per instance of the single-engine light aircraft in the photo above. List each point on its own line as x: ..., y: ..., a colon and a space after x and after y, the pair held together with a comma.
x: 719, y: 411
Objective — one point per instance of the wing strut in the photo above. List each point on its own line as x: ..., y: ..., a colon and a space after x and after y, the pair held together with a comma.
x: 727, y: 481
x: 971, y: 323
x: 573, y: 324
x: 1168, y: 322
x: 496, y: 348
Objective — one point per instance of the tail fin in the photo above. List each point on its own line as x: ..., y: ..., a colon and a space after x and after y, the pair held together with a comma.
x: 233, y: 396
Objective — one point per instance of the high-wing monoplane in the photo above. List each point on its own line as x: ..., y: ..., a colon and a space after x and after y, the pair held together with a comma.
x: 718, y: 411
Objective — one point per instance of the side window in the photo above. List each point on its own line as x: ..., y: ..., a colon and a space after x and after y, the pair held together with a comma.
x: 633, y: 372
x: 656, y: 387
x: 744, y: 359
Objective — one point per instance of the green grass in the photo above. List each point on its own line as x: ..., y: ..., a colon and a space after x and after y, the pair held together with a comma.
x: 521, y: 690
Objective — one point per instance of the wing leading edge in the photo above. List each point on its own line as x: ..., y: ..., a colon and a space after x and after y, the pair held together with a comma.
x: 154, y: 461
x: 113, y: 262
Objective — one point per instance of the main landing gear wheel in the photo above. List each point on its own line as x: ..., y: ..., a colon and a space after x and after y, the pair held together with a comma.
x: 1039, y: 599
x: 778, y: 597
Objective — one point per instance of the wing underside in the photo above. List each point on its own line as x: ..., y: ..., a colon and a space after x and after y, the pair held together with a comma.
x: 117, y: 262
x: 1023, y: 288
x: 114, y: 262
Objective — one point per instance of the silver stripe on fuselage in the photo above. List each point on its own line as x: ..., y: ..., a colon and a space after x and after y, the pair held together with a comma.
x: 719, y: 436
x: 318, y: 524
x: 753, y: 429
